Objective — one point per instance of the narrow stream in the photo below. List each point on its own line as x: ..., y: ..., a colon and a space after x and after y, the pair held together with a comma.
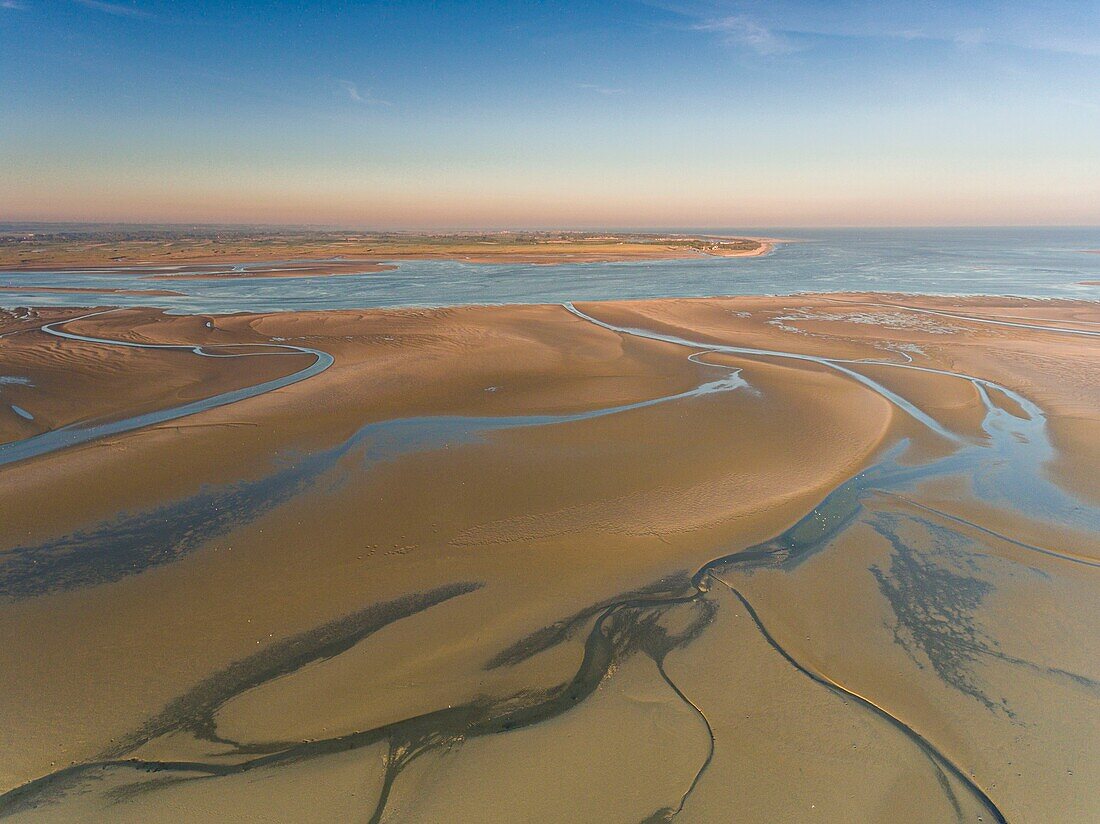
x: 1003, y: 468
x: 79, y: 433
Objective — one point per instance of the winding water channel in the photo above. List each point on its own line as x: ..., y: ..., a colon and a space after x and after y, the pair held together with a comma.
x: 79, y: 433
x: 1003, y: 468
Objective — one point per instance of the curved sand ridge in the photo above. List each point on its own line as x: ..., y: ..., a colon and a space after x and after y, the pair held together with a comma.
x: 585, y: 613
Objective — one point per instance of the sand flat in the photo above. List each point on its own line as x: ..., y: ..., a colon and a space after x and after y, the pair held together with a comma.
x: 489, y: 533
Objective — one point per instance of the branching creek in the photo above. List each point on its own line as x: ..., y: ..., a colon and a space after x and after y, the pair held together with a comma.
x: 1003, y: 468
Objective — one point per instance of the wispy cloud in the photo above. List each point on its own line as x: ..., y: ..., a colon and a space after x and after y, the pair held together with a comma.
x: 969, y: 38
x: 14, y: 5
x: 607, y: 91
x: 358, y: 95
x: 782, y: 26
x: 745, y: 31
x: 352, y: 90
x: 117, y: 9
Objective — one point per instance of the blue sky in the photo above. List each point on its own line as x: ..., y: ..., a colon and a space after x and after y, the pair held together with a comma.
x: 551, y: 114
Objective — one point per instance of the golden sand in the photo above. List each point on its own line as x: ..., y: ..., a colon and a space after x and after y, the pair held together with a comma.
x: 377, y: 619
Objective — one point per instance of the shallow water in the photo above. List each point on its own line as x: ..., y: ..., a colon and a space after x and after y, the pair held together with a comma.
x: 941, y: 609
x: 1040, y: 262
x: 939, y: 576
x: 84, y: 432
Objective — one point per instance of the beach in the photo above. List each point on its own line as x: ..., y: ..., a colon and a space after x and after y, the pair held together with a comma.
x: 557, y: 413
x: 547, y: 562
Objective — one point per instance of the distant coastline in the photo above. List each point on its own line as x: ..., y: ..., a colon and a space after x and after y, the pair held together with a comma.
x: 241, y: 253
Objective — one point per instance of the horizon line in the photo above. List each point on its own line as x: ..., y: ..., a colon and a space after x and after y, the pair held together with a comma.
x: 578, y: 228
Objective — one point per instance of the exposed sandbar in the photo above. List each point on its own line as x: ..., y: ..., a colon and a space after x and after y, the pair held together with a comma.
x: 393, y: 549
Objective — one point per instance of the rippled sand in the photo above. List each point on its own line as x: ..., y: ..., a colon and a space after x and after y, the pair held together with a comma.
x: 778, y: 559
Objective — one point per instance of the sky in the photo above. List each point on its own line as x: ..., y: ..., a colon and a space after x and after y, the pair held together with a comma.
x: 551, y: 114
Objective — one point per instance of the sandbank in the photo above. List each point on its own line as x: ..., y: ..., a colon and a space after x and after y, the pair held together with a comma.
x: 489, y: 534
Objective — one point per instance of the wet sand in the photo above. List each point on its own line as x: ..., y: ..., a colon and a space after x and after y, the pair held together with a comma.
x: 809, y: 557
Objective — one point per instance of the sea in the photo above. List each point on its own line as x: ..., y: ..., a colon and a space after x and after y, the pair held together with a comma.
x: 1040, y: 262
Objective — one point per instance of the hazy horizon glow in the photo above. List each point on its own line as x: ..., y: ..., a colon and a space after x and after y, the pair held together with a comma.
x: 550, y: 114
